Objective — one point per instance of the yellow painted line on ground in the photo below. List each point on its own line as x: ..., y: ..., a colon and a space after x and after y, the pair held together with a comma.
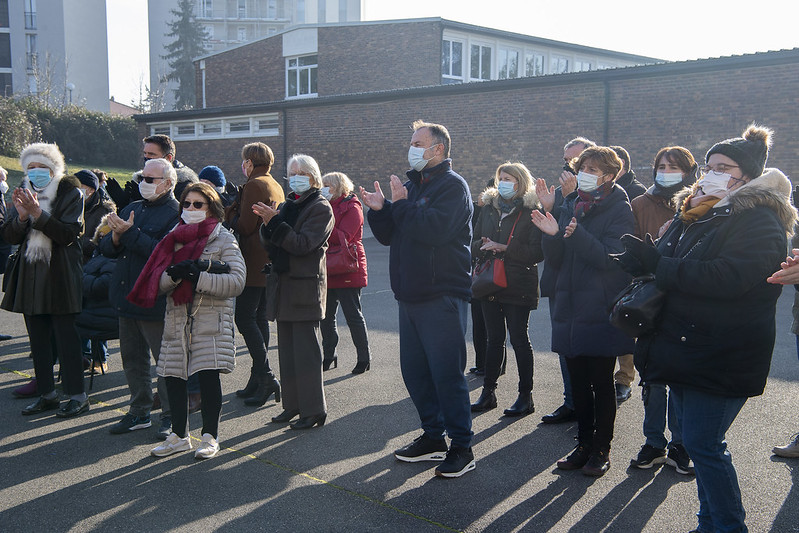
x: 284, y: 468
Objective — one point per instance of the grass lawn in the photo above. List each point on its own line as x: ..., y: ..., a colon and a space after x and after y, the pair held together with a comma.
x: 11, y: 164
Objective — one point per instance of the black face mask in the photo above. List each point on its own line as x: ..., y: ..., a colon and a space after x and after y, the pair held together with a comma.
x: 144, y: 160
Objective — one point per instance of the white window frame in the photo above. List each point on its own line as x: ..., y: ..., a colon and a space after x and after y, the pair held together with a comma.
x: 263, y: 125
x: 555, y: 62
x: 482, y: 45
x: 296, y: 70
x: 507, y: 51
x: 602, y: 65
x: 535, y: 54
x: 241, y: 34
x: 464, y: 62
x: 580, y: 63
x: 206, y: 9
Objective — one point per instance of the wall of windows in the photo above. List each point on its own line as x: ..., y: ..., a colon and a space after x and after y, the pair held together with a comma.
x: 266, y: 125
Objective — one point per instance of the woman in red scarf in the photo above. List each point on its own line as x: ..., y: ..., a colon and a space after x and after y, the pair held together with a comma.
x: 199, y: 265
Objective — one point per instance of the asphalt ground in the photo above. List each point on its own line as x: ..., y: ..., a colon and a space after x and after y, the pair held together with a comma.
x: 72, y: 475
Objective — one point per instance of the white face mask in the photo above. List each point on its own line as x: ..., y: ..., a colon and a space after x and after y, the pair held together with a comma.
x: 416, y: 157
x: 326, y: 193
x: 147, y: 190
x: 506, y: 189
x: 668, y: 179
x: 587, y: 182
x: 714, y: 184
x: 3, y: 187
x: 193, y: 217
x: 299, y: 184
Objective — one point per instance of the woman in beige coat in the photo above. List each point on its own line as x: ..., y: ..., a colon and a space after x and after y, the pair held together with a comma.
x: 200, y: 268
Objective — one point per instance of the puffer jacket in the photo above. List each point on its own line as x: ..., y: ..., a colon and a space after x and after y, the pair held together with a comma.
x: 587, y: 279
x: 199, y: 336
x: 717, y: 326
x: 55, y: 288
x: 524, y: 250
x: 94, y: 209
x: 349, y: 228
x: 98, y: 318
x: 300, y: 293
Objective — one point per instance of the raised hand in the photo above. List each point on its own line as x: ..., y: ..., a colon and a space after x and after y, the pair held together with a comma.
x: 545, y: 195
x: 398, y: 191
x: 545, y: 222
x: 266, y: 212
x: 373, y: 200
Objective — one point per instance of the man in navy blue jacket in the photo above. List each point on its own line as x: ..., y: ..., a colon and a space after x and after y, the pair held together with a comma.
x: 427, y: 224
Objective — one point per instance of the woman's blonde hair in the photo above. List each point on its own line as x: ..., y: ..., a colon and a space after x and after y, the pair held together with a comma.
x: 522, y: 174
x: 339, y: 183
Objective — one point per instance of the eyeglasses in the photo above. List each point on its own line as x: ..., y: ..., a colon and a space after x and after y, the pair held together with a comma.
x: 197, y: 205
x: 718, y: 169
x: 150, y: 179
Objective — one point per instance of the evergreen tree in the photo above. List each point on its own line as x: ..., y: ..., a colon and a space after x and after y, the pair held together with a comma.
x: 188, y: 44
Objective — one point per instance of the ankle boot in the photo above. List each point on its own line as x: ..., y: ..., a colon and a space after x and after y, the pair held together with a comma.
x: 522, y: 406
x: 598, y: 463
x: 249, y: 388
x: 486, y: 401
x: 267, y: 384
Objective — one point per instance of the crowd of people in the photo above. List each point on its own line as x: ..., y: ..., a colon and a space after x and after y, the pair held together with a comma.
x: 172, y: 261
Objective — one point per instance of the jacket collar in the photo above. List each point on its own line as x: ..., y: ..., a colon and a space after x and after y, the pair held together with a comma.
x: 428, y: 174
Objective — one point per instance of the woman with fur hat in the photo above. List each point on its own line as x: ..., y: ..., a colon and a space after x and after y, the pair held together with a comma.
x: 505, y: 230
x: 45, y: 281
x: 716, y: 332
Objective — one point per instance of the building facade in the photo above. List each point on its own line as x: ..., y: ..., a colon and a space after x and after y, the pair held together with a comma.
x: 56, y: 49
x: 231, y: 23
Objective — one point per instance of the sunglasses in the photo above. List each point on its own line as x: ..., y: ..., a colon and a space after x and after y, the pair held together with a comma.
x: 150, y: 179
x: 197, y: 205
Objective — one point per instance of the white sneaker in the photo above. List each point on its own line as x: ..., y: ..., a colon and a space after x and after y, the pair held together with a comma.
x: 208, y: 448
x: 789, y: 450
x: 172, y: 444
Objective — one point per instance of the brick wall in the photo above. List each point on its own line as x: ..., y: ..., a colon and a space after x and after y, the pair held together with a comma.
x: 530, y: 120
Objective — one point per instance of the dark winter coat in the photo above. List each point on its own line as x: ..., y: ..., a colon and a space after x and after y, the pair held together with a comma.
x: 94, y: 209
x: 587, y: 279
x: 5, y: 248
x: 651, y: 212
x: 631, y: 185
x: 717, y: 327
x: 55, y: 288
x: 151, y: 221
x: 524, y: 250
x: 430, y: 234
x: 348, y: 213
x: 98, y: 319
x: 300, y: 293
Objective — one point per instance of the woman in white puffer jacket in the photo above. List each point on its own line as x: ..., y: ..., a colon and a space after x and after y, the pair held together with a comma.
x: 200, y: 268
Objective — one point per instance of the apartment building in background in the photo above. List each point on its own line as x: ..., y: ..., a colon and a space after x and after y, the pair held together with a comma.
x: 56, y: 49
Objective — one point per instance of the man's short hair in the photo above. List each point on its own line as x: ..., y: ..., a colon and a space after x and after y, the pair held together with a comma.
x: 163, y: 141
x: 439, y: 133
x: 165, y: 168
x: 587, y: 143
x: 259, y: 154
x: 624, y: 156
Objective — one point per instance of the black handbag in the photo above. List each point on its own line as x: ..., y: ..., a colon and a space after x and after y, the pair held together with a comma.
x: 636, y: 309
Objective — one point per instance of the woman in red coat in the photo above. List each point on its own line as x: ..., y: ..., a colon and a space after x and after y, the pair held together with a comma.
x: 344, y: 283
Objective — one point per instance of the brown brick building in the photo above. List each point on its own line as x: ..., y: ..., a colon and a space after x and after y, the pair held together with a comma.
x: 371, y: 80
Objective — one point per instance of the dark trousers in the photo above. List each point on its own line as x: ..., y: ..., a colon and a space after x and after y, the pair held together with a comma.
x: 300, y: 358
x: 41, y: 329
x: 252, y: 324
x: 211, y: 395
x: 594, y: 399
x: 350, y: 299
x: 479, y: 334
x: 516, y: 317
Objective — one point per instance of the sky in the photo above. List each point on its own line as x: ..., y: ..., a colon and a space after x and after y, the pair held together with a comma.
x: 672, y: 30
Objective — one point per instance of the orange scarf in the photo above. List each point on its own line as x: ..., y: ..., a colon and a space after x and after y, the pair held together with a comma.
x: 695, y: 207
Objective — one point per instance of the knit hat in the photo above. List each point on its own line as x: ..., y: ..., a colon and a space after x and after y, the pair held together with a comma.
x: 214, y: 175
x: 88, y: 178
x: 46, y: 154
x: 750, y: 150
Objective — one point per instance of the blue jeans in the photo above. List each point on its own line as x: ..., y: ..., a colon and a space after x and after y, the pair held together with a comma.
x: 705, y: 419
x: 657, y: 404
x: 432, y: 360
x: 86, y: 345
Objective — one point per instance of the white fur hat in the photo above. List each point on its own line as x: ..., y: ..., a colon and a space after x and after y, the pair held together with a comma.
x: 46, y: 154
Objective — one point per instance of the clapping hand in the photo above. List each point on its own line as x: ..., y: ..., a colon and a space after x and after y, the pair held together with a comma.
x: 373, y: 200
x: 545, y: 195
x: 545, y: 222
x: 26, y: 203
x: 639, y: 257
x: 789, y: 271
x: 266, y: 212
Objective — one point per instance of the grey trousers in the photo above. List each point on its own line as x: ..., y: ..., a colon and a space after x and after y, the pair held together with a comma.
x: 137, y: 340
x: 300, y: 358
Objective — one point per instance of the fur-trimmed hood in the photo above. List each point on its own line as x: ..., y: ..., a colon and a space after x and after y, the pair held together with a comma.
x: 491, y: 197
x: 772, y: 189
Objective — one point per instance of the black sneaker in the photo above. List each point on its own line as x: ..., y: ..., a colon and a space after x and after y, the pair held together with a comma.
x: 458, y: 462
x: 679, y: 459
x: 130, y: 422
x: 423, y: 449
x: 648, y: 457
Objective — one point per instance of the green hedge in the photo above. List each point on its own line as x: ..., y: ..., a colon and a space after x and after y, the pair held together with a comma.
x: 81, y: 134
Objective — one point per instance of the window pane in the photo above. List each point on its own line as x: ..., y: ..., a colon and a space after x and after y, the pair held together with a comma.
x: 242, y: 125
x: 211, y: 128
x: 292, y: 62
x: 304, y: 81
x: 475, y: 62
x: 186, y: 129
x: 513, y: 67
x: 307, y: 60
x: 457, y: 59
x: 445, y: 58
x: 502, y: 61
x: 313, y: 80
x: 485, y: 63
x: 292, y: 76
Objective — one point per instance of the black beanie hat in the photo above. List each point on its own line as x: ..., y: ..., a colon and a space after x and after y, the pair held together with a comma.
x: 750, y: 150
x: 88, y: 178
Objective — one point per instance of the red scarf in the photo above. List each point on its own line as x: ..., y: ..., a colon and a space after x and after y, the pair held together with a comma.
x: 193, y: 237
x: 588, y: 200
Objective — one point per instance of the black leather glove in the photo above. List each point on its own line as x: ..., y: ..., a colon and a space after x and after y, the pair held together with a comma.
x: 180, y: 271
x: 213, y: 267
x: 192, y: 273
x: 628, y: 263
x: 644, y: 251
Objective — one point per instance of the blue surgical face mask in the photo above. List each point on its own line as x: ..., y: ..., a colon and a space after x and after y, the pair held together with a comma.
x: 299, y: 184
x: 587, y: 182
x: 507, y: 189
x: 39, y: 177
x: 326, y: 193
x: 416, y: 157
x: 668, y: 179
